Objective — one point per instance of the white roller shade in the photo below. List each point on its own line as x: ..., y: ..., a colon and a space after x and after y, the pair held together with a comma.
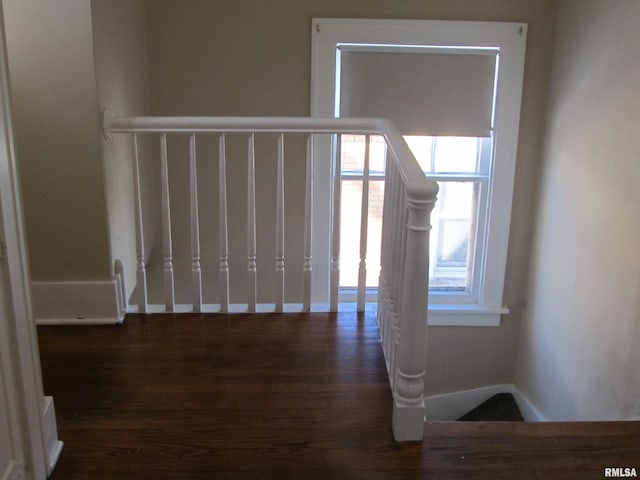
x: 429, y: 92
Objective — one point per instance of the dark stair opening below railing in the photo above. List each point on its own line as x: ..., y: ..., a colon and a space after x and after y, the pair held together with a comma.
x: 501, y: 407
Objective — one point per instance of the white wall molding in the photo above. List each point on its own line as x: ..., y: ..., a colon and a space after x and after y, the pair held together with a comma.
x: 451, y: 406
x: 77, y: 303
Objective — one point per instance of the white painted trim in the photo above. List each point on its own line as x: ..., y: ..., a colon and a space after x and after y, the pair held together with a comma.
x: 260, y: 308
x: 65, y: 303
x: 68, y: 322
x: 440, y: 314
x: 529, y: 411
x: 452, y: 315
x: 11, y: 435
x: 54, y: 446
x: 451, y: 406
x: 510, y: 40
x: 16, y: 470
x: 25, y: 364
x: 119, y: 278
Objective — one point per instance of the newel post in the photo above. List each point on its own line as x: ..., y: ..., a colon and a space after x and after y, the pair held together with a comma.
x: 408, y: 408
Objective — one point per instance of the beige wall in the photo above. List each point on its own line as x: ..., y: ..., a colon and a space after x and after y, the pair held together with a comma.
x: 120, y: 47
x: 579, y: 355
x: 252, y: 57
x: 68, y: 61
x: 50, y: 49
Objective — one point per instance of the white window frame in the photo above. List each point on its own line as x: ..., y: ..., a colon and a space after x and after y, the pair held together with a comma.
x: 485, y: 307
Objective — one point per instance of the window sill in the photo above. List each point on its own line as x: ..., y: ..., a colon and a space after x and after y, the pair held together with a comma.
x: 447, y: 315
x: 439, y: 314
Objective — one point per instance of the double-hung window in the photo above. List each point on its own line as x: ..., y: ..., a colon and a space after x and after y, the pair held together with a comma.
x: 453, y: 89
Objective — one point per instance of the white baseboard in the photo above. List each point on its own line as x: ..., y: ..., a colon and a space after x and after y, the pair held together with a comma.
x: 260, y: 308
x: 77, y: 303
x: 51, y: 443
x: 451, y: 406
x: 529, y: 411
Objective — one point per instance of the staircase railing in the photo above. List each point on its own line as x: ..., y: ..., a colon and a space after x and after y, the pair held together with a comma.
x: 408, y: 200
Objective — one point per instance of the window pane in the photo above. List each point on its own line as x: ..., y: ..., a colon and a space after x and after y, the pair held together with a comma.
x: 421, y: 147
x: 453, y: 242
x: 456, y: 155
x: 445, y: 154
x: 453, y: 233
x: 453, y: 226
x: 351, y: 205
x: 353, y: 153
x: 453, y: 220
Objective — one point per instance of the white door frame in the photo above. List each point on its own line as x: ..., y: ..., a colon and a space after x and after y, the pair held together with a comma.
x: 33, y: 435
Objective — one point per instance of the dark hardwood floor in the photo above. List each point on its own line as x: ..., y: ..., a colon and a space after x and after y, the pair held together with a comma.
x: 280, y: 397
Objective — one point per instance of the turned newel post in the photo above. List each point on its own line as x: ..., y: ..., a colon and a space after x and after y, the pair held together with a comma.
x: 408, y: 409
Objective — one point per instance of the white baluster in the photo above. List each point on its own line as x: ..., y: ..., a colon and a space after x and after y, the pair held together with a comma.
x: 334, y: 282
x: 392, y: 324
x: 196, y: 273
x: 251, y: 226
x: 280, y: 227
x: 121, y: 284
x: 383, y: 284
x: 308, y: 217
x: 401, y: 266
x: 223, y: 226
x: 387, y: 269
x: 141, y: 270
x: 364, y: 226
x: 397, y: 207
x: 169, y: 296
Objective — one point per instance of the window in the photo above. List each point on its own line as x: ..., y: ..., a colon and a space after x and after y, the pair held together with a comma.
x: 453, y: 89
x: 460, y: 166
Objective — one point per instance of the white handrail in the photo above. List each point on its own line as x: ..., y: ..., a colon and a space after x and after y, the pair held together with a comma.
x: 417, y: 186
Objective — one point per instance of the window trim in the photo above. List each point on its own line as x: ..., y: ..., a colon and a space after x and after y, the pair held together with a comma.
x: 510, y: 40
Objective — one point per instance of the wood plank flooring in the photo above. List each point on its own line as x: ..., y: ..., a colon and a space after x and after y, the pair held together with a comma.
x: 276, y: 397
